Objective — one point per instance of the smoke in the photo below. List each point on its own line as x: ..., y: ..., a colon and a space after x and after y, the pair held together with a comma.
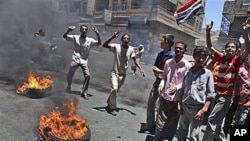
x: 20, y: 19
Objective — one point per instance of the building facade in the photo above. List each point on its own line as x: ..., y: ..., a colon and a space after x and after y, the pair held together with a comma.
x: 235, y: 12
x: 145, y: 20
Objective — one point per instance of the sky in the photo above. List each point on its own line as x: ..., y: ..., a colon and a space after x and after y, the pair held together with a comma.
x: 213, y: 12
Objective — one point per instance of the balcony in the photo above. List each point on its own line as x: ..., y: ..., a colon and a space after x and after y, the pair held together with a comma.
x: 154, y: 13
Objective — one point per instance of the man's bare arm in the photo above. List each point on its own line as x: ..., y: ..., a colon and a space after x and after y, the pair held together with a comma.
x: 208, y: 38
x: 106, y: 43
x: 137, y: 63
x: 71, y: 28
x: 97, y: 34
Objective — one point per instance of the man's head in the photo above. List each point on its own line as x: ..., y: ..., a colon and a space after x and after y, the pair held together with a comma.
x: 231, y: 49
x: 41, y: 32
x: 200, y: 55
x: 180, y: 49
x: 125, y: 39
x: 140, y: 47
x: 83, y: 29
x: 169, y: 38
x: 167, y: 41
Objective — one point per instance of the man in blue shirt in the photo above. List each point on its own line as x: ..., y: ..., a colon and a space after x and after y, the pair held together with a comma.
x: 166, y: 53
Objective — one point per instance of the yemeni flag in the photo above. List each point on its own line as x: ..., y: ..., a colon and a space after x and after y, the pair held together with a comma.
x: 189, y: 10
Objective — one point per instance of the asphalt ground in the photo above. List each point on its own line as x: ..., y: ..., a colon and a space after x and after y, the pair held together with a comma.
x: 19, y: 115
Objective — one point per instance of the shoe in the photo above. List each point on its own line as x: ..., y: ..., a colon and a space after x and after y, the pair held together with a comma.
x: 68, y: 89
x: 113, y: 112
x: 84, y: 95
x: 146, y: 128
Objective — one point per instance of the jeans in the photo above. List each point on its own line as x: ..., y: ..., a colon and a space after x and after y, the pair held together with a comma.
x: 215, y: 120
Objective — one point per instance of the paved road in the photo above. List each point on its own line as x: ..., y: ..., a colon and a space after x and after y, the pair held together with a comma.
x: 19, y: 115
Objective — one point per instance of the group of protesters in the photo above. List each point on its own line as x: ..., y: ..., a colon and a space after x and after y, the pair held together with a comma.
x: 213, y: 91
x: 188, y: 95
x: 122, y: 54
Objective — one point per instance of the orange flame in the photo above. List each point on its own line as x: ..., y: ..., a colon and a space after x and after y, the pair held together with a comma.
x: 65, y: 128
x: 36, y: 82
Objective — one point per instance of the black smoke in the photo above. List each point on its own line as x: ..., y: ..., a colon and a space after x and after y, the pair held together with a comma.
x: 20, y: 19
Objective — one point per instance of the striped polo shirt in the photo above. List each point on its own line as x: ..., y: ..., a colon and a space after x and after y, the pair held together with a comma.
x: 228, y: 71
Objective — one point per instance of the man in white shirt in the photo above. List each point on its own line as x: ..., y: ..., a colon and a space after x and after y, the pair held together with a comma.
x: 122, y: 54
x: 82, y: 45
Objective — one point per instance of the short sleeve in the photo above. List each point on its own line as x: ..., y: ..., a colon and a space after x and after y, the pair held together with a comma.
x: 71, y: 38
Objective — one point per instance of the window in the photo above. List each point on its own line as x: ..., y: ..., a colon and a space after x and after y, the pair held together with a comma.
x: 191, y: 21
x: 100, y: 5
x: 135, y: 4
x: 197, y: 25
x: 115, y: 5
x: 124, y: 5
x: 200, y: 26
x: 246, y: 2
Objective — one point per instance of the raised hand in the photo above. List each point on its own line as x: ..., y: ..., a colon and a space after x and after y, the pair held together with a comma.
x: 209, y: 26
x: 71, y: 28
x: 116, y: 33
x: 95, y: 30
x: 246, y: 24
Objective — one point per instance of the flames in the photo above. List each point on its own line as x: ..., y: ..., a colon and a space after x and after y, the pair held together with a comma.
x: 67, y: 127
x: 36, y: 82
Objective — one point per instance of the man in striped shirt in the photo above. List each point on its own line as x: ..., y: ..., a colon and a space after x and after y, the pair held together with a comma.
x: 230, y: 63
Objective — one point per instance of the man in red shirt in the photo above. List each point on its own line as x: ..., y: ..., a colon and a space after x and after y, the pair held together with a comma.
x: 230, y: 63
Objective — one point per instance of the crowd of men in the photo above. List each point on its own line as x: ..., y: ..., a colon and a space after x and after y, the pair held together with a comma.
x: 212, y: 89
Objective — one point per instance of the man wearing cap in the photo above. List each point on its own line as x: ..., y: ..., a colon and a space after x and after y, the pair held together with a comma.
x: 166, y: 43
x: 138, y: 53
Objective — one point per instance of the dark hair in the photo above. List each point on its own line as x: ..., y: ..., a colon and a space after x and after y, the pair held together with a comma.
x: 83, y: 26
x: 169, y: 38
x: 236, y: 43
x: 170, y: 43
x: 125, y: 35
x: 41, y: 32
x: 180, y: 42
x: 140, y: 48
x: 199, y: 49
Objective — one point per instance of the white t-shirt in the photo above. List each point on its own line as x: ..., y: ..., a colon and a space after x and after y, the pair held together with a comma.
x: 81, y: 47
x: 121, y: 57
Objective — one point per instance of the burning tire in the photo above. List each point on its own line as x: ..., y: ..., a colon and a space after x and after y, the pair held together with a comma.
x: 37, y: 93
x: 86, y: 137
x: 64, y: 126
x: 36, y: 86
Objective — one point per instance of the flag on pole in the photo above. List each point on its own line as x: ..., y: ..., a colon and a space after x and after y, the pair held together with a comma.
x: 189, y: 10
